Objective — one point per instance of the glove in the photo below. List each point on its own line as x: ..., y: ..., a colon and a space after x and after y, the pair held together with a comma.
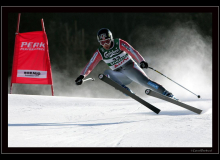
x: 79, y: 80
x: 144, y: 64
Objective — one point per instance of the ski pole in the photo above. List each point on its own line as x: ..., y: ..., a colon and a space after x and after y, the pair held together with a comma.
x: 174, y: 82
x: 88, y: 79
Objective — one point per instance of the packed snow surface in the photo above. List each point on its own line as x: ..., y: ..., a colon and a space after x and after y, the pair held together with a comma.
x: 56, y: 121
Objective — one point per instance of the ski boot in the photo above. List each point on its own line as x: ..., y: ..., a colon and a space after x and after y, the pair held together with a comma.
x: 169, y: 94
x: 127, y: 89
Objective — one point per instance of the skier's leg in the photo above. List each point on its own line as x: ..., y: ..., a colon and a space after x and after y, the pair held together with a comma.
x: 135, y: 73
x: 117, y: 77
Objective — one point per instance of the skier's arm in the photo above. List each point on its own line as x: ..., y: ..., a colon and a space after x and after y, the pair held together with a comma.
x: 96, y: 58
x: 125, y: 46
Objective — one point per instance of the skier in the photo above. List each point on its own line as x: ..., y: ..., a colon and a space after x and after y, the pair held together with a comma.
x: 119, y: 55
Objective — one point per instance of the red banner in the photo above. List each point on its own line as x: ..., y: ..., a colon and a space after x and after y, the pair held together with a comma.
x: 31, y: 63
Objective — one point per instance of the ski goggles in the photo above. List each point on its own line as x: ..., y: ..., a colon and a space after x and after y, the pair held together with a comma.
x: 106, y: 41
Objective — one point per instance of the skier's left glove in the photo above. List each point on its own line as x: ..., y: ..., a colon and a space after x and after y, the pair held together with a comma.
x: 79, y: 80
x: 144, y: 64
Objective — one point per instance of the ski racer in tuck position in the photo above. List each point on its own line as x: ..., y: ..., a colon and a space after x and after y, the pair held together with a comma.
x: 119, y: 56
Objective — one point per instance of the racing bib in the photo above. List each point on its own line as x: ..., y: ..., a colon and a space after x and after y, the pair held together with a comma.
x: 114, y: 57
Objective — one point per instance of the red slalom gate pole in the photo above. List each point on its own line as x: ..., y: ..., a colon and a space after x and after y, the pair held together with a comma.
x: 18, y: 23
x: 17, y: 31
x: 43, y: 29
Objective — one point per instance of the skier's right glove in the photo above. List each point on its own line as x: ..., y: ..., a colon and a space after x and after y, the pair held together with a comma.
x: 79, y: 80
x: 144, y: 64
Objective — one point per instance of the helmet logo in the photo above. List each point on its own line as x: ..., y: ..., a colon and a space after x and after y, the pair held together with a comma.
x: 102, y: 36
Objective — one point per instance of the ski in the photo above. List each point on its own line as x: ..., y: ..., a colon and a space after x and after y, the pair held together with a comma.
x: 160, y: 96
x: 125, y: 91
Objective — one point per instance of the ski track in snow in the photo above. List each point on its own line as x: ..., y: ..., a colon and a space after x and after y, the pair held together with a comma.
x: 55, y: 121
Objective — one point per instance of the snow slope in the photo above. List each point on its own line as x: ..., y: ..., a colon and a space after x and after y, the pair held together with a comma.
x: 55, y: 121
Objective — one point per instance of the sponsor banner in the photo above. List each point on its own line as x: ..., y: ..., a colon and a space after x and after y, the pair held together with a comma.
x: 32, y: 46
x: 32, y: 74
x: 31, y: 62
